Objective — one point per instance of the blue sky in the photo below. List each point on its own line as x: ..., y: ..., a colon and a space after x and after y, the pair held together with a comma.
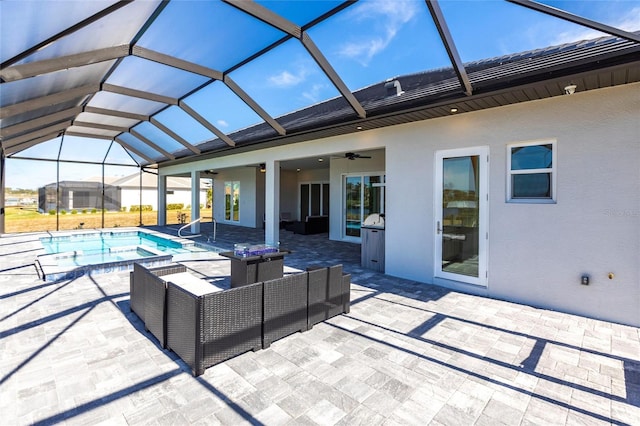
x: 366, y: 43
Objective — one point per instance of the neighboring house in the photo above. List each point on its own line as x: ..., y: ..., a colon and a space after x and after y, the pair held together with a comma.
x: 78, y: 195
x: 120, y: 193
x: 178, y: 190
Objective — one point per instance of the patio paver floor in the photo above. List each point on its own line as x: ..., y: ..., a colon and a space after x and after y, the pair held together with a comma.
x: 408, y: 353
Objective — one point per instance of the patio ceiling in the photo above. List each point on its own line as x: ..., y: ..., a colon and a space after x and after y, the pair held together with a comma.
x: 166, y: 81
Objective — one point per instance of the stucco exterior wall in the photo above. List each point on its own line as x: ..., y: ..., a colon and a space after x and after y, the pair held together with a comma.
x: 537, y: 252
x: 248, y: 192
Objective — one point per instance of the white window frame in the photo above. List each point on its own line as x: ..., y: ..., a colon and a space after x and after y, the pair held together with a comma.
x: 552, y: 170
x: 232, y: 184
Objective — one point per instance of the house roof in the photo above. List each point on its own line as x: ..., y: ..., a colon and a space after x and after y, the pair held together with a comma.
x: 150, y: 180
x: 127, y: 73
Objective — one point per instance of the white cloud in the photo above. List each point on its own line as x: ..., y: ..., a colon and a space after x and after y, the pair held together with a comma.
x: 222, y: 123
x: 314, y: 94
x: 631, y: 21
x: 286, y: 79
x: 386, y: 18
x: 628, y: 21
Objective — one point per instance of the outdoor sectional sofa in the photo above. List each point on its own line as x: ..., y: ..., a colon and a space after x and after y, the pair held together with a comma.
x: 205, y: 325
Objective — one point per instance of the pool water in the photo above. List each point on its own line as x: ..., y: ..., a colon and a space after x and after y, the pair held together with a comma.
x: 102, y: 247
x: 74, y: 254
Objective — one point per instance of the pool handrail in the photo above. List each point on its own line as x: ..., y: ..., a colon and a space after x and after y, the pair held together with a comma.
x: 187, y: 225
x: 213, y: 221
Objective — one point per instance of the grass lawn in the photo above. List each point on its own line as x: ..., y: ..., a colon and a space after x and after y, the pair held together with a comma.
x: 27, y: 219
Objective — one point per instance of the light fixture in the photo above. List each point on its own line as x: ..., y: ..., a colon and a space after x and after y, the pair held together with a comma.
x: 298, y: 170
x: 570, y: 89
x: 320, y: 160
x: 358, y: 127
x: 453, y: 110
x: 263, y: 167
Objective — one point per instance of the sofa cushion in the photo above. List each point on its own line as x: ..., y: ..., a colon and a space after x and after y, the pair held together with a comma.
x: 192, y: 284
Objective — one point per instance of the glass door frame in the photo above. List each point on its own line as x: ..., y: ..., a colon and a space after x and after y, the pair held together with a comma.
x: 362, y: 176
x: 483, y: 218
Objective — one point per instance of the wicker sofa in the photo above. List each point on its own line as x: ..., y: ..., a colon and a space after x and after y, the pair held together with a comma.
x: 205, y: 325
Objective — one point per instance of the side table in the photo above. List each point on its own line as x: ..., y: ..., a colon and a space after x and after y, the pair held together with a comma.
x: 253, y: 269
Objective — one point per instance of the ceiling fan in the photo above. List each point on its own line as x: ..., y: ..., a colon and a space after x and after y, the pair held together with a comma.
x: 353, y: 156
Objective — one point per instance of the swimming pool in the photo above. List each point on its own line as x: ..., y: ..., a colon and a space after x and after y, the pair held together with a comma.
x: 69, y: 255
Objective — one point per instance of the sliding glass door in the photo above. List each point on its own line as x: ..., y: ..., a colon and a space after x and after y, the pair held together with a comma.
x: 363, y: 195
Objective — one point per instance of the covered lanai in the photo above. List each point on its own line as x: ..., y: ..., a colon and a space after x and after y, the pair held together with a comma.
x: 476, y: 150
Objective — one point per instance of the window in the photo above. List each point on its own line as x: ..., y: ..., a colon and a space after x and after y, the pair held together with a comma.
x: 314, y: 199
x: 531, y: 172
x: 232, y: 201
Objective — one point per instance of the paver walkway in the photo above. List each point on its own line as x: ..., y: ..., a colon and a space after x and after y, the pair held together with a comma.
x: 408, y: 353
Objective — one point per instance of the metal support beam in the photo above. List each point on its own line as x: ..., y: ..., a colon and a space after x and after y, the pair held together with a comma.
x: 100, y: 126
x: 139, y: 94
x: 449, y: 45
x: 32, y: 69
x: 200, y: 119
x: 254, y: 105
x: 128, y: 147
x: 26, y: 137
x: 607, y: 29
x: 153, y: 145
x: 114, y: 113
x: 332, y: 75
x: 48, y: 100
x: 88, y: 135
x: 28, y: 144
x: 267, y: 16
x: 175, y: 136
x: 161, y: 58
x: 45, y: 120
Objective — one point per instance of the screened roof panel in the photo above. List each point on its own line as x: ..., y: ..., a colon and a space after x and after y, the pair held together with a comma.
x: 43, y: 113
x: 158, y: 137
x: 140, y: 146
x: 134, y: 73
x: 29, y: 88
x: 220, y: 74
x: 223, y: 108
x: 116, y: 101
x: 624, y: 14
x: 182, y: 123
x: 287, y: 73
x: 109, y: 120
x: 374, y: 41
x: 25, y: 24
x: 93, y: 131
x: 212, y: 34
x: 117, y: 28
x: 300, y: 12
x: 523, y: 30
